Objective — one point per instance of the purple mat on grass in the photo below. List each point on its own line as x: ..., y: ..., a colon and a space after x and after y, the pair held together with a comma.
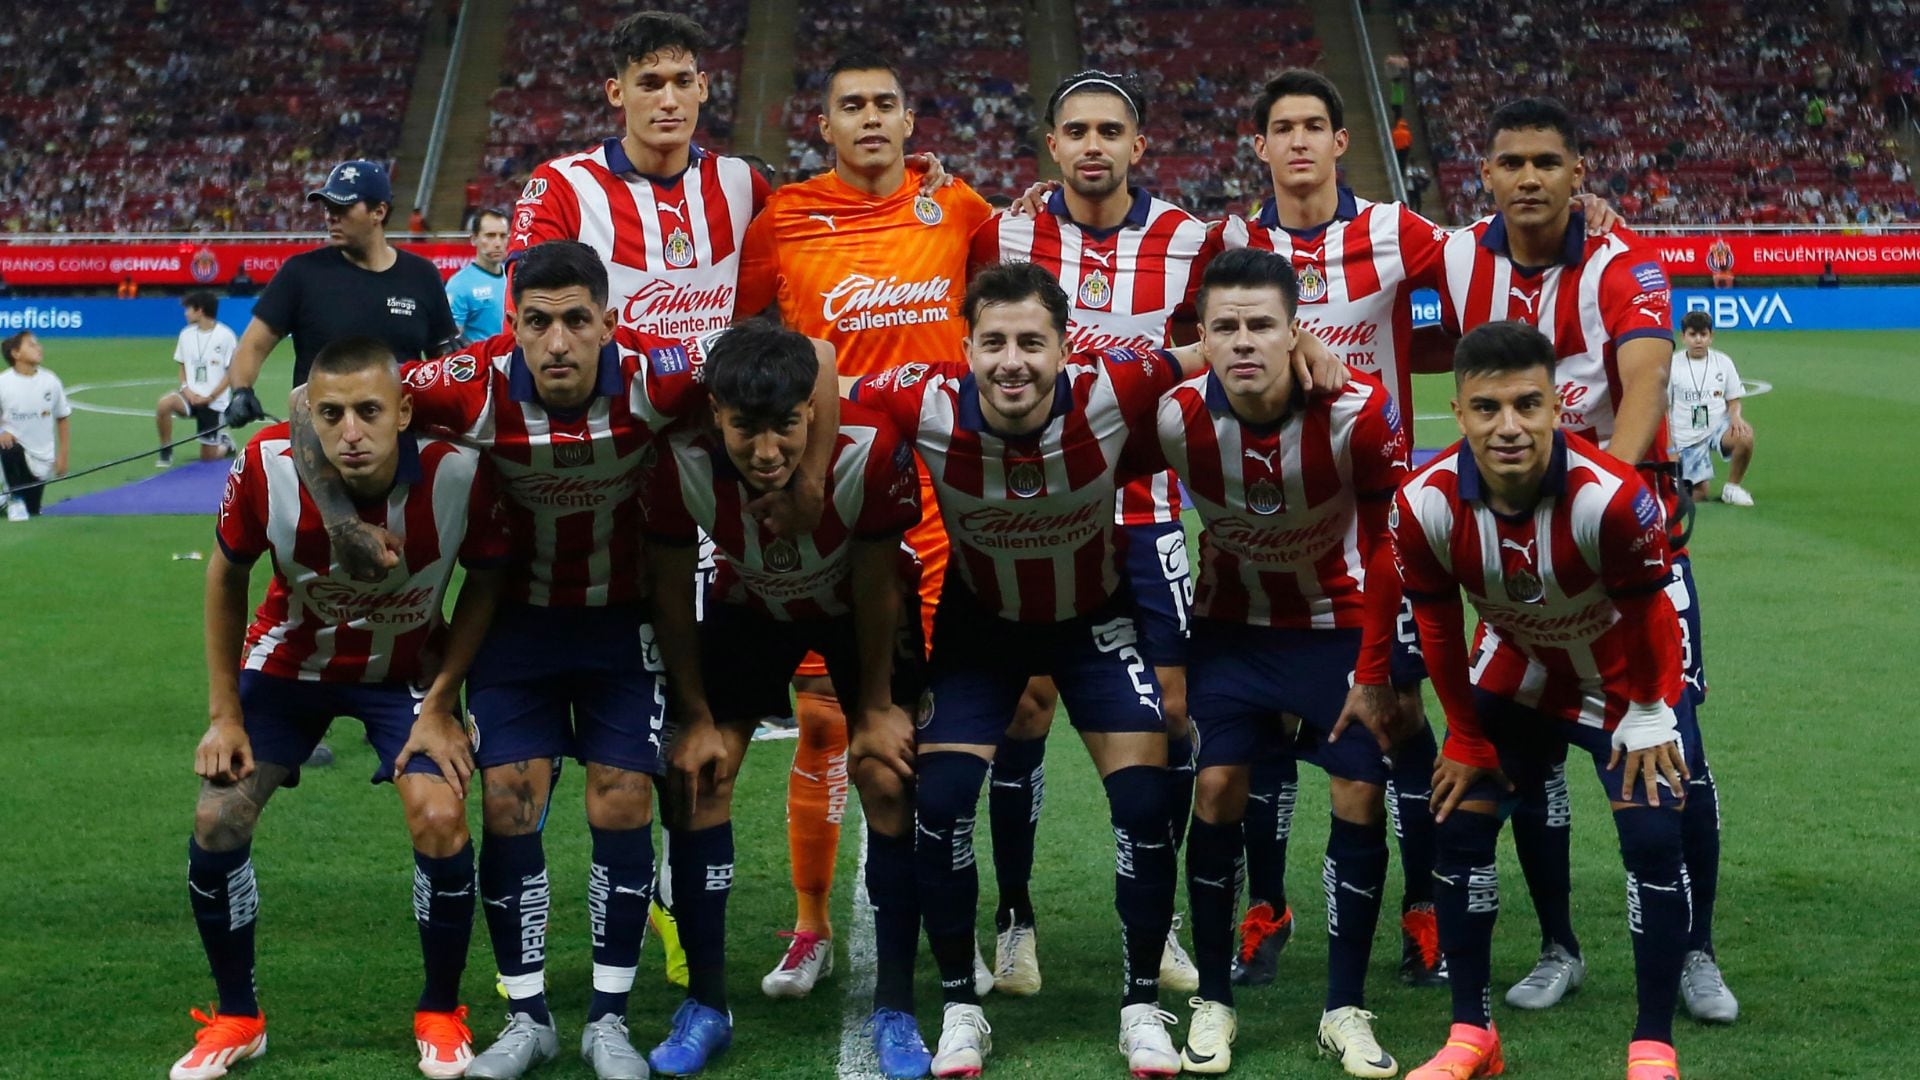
x: 191, y: 487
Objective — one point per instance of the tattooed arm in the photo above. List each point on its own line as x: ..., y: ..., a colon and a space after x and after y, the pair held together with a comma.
x: 367, y: 551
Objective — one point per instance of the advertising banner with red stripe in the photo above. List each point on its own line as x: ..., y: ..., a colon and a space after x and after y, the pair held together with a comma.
x: 178, y: 262
x: 1787, y: 254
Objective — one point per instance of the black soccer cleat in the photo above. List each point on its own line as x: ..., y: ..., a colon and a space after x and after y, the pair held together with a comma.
x: 1420, y: 961
x: 1262, y: 939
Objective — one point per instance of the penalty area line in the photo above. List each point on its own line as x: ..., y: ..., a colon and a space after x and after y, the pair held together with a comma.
x: 856, y: 1051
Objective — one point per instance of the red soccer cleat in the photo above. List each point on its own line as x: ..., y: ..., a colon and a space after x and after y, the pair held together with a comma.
x: 221, y: 1041
x: 1470, y: 1052
x: 445, y: 1042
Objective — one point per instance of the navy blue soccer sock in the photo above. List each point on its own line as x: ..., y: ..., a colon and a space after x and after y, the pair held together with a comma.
x: 1269, y: 822
x: 1144, y: 870
x: 1213, y: 873
x: 702, y: 881
x: 443, y: 908
x: 519, y: 899
x: 1409, y: 791
x: 1180, y: 773
x: 896, y: 919
x: 1013, y: 814
x: 1700, y: 830
x: 947, y: 790
x: 1466, y: 900
x: 1659, y: 907
x: 226, y: 903
x: 1543, y: 838
x: 1355, y: 874
x: 619, y: 887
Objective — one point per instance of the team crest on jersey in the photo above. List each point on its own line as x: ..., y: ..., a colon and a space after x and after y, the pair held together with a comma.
x: 572, y: 453
x: 1265, y: 497
x: 1720, y: 257
x: 1313, y: 284
x: 535, y: 190
x: 523, y: 219
x: 928, y: 211
x: 461, y: 368
x: 781, y: 556
x: 1096, y: 291
x: 422, y: 376
x: 1025, y: 477
x: 679, y: 249
x: 907, y: 375
x: 1524, y: 586
x: 924, y: 715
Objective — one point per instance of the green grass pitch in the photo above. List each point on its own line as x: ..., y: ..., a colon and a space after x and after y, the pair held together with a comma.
x: 1806, y: 599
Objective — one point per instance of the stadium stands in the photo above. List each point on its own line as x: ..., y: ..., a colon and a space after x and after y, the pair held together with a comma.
x: 1203, y: 63
x: 134, y: 116
x: 1715, y: 112
x: 551, y: 101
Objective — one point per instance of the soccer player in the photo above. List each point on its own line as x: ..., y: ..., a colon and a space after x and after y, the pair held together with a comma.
x: 203, y: 352
x: 1703, y: 412
x: 567, y: 406
x: 1563, y: 552
x: 864, y: 257
x: 1130, y: 262
x: 838, y: 592
x: 1605, y: 304
x: 35, y: 429
x: 478, y: 293
x: 323, y: 645
x: 1294, y: 609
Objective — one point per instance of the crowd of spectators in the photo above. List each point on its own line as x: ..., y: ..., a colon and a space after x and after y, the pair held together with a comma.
x: 551, y: 98
x: 964, y: 67
x: 1203, y: 63
x: 166, y: 116
x: 1724, y: 112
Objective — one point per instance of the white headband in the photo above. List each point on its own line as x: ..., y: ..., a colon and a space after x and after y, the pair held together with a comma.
x: 1101, y: 80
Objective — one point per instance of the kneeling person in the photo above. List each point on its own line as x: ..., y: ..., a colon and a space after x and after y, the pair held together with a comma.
x: 841, y: 591
x: 323, y: 645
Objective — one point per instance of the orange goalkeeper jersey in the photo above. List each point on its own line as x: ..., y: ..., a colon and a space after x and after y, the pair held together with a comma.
x: 881, y: 278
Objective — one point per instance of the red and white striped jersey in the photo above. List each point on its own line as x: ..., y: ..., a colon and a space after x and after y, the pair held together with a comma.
x: 874, y: 494
x: 571, y: 480
x: 1357, y: 276
x: 1286, y: 541
x: 1124, y: 286
x: 1604, y: 292
x: 671, y: 244
x: 1574, y: 620
x: 321, y: 625
x: 1029, y: 516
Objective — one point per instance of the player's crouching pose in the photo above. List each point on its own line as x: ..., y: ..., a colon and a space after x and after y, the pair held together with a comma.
x: 1295, y: 610
x: 323, y: 645
x: 1564, y: 555
x: 841, y: 591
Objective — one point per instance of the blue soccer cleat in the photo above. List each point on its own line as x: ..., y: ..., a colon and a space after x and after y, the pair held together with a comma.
x: 698, y: 1034
x: 902, y: 1053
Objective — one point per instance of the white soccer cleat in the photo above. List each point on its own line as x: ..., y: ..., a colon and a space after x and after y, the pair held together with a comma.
x: 1210, y: 1035
x: 965, y: 1039
x: 1347, y: 1033
x: 1016, y: 961
x: 1177, y: 972
x: 982, y: 975
x: 1705, y: 991
x: 1735, y: 495
x: 808, y: 960
x: 1144, y: 1039
x: 1555, y: 975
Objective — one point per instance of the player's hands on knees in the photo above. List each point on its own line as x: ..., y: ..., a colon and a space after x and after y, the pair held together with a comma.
x: 442, y: 738
x: 1033, y: 201
x: 1315, y: 366
x: 796, y: 510
x: 884, y: 735
x: 364, y: 550
x: 225, y: 754
x: 697, y: 751
x: 1372, y: 707
x: 937, y: 175
x: 1451, y: 782
x: 1410, y: 713
x: 1651, y: 766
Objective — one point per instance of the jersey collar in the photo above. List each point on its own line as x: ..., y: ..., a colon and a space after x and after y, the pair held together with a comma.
x: 607, y: 381
x: 1554, y: 483
x: 1219, y: 405
x: 1136, y: 214
x: 1345, y: 208
x: 1573, y: 247
x: 619, y: 164
x: 408, y: 472
x: 970, y: 417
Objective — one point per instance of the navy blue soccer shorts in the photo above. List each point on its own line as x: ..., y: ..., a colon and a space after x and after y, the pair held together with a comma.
x: 982, y: 662
x: 1406, y: 662
x: 747, y: 660
x: 1531, y: 744
x: 286, y: 718
x: 1153, y: 560
x: 1242, y: 678
x: 581, y: 682
x: 1686, y: 602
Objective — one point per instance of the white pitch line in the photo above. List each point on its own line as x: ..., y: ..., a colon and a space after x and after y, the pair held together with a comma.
x: 856, y: 1050
x: 112, y: 410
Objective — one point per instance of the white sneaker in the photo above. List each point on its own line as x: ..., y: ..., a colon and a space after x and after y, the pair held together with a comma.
x: 808, y: 960
x: 1210, y: 1037
x: 1347, y: 1033
x: 1016, y: 961
x: 1177, y: 972
x: 982, y: 975
x: 965, y: 1039
x: 1735, y: 495
x: 1705, y: 991
x: 1144, y: 1039
x: 17, y: 510
x: 1555, y: 975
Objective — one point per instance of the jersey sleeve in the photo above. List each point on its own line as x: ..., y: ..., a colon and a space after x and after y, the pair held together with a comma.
x: 892, y: 491
x: 62, y: 408
x: 242, y: 527
x: 898, y: 392
x: 1380, y: 450
x: 460, y: 303
x: 759, y: 280
x: 985, y: 247
x: 761, y: 189
x: 489, y: 539
x: 546, y: 210
x: 1635, y: 299
x: 180, y: 349
x: 667, y: 519
x: 665, y: 380
x: 449, y: 393
x: 1139, y: 377
x: 969, y: 207
x: 1634, y: 557
x: 1421, y: 242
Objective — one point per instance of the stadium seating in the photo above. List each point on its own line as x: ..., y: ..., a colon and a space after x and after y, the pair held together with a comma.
x: 136, y: 116
x: 1691, y: 112
x: 1203, y: 63
x: 551, y: 100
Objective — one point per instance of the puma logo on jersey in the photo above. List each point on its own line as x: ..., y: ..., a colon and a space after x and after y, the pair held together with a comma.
x: 1526, y: 298
x: 828, y: 218
x: 1264, y: 459
x: 1525, y: 550
x: 1105, y: 258
x: 677, y: 209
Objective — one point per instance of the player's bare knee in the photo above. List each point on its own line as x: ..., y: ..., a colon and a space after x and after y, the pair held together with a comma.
x: 881, y: 789
x: 1358, y: 801
x: 438, y: 825
x: 618, y: 798
x: 511, y: 802
x: 1220, y: 795
x: 224, y: 818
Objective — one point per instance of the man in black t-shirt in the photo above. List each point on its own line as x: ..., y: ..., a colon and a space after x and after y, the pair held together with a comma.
x: 358, y: 285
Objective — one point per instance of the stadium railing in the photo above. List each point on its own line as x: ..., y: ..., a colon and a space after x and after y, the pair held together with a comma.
x: 442, y: 113
x: 1377, y: 101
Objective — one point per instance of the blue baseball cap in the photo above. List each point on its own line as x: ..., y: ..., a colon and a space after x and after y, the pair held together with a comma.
x: 355, y: 181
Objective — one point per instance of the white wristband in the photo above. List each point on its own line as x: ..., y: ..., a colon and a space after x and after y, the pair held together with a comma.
x: 1646, y: 726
